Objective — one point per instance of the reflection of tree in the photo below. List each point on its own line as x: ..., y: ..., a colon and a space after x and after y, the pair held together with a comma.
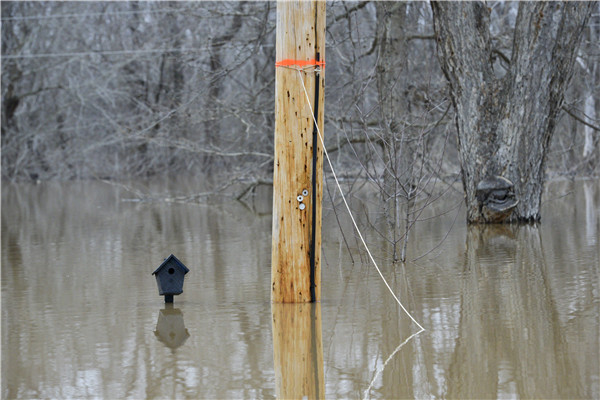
x: 399, y: 379
x: 510, y: 339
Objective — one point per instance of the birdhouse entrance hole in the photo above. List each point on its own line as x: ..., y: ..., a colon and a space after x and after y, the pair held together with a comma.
x: 171, y: 271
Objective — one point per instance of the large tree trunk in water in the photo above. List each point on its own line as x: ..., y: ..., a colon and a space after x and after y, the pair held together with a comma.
x: 505, y: 123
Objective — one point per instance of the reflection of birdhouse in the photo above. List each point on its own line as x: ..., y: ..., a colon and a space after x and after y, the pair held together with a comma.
x: 170, y: 328
x: 169, y: 277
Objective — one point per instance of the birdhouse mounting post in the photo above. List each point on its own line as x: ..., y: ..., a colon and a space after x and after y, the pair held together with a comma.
x: 298, y: 159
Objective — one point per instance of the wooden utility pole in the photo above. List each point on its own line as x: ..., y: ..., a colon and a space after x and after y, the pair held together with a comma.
x: 298, y: 165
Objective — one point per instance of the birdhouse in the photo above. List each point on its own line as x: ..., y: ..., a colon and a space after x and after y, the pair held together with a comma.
x: 169, y: 277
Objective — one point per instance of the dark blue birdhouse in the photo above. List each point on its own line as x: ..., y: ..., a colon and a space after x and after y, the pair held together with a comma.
x: 169, y: 277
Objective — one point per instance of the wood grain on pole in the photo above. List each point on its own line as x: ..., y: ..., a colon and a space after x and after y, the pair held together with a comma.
x: 300, y: 36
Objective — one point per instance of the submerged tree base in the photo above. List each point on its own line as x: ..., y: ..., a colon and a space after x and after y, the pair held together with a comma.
x: 505, y: 122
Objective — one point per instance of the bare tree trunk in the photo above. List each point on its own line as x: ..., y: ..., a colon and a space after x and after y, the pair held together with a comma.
x: 590, y: 103
x: 505, y: 123
x: 590, y: 112
x: 398, y: 147
x: 218, y: 71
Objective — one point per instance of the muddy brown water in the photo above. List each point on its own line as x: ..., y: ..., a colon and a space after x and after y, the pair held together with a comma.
x: 509, y: 312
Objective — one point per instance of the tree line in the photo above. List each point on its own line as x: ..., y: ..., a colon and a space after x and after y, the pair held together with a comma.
x: 498, y: 95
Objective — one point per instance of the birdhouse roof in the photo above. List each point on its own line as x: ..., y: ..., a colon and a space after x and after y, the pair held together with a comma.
x: 169, y: 260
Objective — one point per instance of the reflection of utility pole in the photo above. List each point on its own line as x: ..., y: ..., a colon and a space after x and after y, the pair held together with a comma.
x: 298, y: 351
x: 298, y: 165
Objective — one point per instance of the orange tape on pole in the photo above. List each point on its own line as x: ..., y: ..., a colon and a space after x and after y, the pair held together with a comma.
x: 300, y: 63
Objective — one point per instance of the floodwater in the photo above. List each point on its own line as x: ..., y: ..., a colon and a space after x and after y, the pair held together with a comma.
x: 508, y: 312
